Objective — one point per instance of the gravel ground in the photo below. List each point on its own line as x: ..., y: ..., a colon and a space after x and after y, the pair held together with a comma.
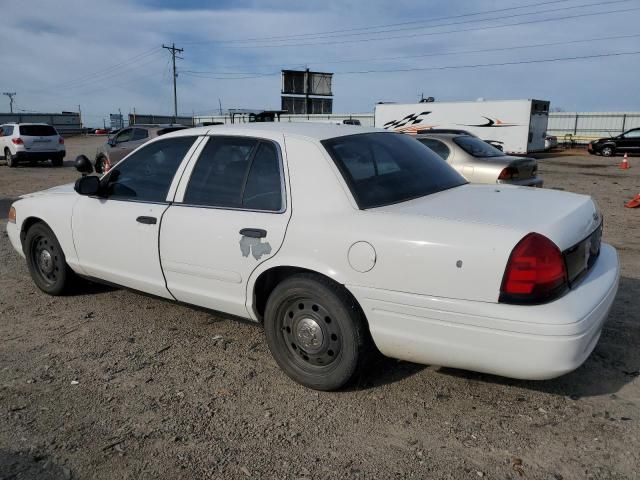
x: 110, y: 384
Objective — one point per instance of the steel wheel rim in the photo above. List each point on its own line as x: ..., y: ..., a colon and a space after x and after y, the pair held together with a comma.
x: 45, y: 259
x: 311, y: 334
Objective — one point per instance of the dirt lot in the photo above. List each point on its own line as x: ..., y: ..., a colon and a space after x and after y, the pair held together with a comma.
x: 110, y: 384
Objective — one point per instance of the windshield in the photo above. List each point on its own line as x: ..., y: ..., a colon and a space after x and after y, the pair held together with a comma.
x: 386, y: 168
x: 476, y: 147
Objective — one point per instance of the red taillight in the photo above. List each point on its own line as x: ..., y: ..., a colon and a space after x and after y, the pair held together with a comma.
x: 61, y: 141
x: 17, y: 141
x: 535, y: 273
x: 508, y: 173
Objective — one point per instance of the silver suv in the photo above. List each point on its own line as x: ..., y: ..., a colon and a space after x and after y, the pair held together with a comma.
x: 31, y: 142
x: 127, y: 140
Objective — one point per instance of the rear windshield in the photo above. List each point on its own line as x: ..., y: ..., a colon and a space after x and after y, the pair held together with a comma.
x: 163, y: 131
x: 476, y: 147
x: 37, y: 130
x: 386, y: 168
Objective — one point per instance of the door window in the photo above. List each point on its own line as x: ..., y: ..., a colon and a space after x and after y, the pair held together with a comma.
x: 146, y: 175
x: 8, y: 130
x: 139, y: 134
x: 437, y: 146
x: 124, y: 136
x: 237, y: 173
x: 632, y: 134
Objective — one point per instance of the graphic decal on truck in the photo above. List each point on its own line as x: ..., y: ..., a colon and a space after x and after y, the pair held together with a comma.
x: 491, y: 123
x: 409, y: 124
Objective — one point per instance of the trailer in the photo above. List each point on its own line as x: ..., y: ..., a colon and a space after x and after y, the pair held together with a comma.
x: 518, y: 126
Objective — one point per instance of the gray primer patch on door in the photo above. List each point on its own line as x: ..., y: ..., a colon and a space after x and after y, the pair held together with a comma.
x: 255, y: 247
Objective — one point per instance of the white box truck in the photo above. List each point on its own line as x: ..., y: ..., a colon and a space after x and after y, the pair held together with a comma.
x: 518, y: 126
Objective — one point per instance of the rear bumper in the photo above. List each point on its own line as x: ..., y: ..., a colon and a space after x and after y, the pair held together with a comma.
x: 533, y: 342
x: 26, y: 155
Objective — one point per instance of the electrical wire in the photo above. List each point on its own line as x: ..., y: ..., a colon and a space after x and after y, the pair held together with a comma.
x: 426, y: 34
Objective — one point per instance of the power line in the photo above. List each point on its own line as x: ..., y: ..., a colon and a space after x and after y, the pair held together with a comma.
x: 299, y: 35
x: 422, y: 55
x: 517, y: 15
x: 454, y: 67
x: 173, y: 51
x: 456, y: 31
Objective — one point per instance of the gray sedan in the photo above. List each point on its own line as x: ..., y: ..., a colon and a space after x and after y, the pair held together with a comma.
x: 480, y: 162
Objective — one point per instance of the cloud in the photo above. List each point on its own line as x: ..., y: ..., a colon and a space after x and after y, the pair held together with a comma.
x: 108, y: 56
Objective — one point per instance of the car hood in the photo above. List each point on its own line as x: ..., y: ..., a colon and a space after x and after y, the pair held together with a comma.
x: 565, y: 218
x: 59, y: 190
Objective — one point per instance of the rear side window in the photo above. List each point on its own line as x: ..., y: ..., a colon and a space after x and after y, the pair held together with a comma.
x: 437, y: 146
x: 478, y: 148
x: 237, y: 173
x: 6, y: 130
x: 139, y: 134
x: 386, y: 168
x: 37, y: 130
x: 146, y: 175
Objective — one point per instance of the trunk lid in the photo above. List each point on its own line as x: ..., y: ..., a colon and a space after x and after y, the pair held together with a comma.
x: 565, y: 218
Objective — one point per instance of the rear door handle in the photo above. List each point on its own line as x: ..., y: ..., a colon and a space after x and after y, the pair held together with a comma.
x: 253, y: 232
x: 147, y: 220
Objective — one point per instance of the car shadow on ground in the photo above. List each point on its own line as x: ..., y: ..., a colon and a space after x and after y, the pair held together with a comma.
x: 29, y: 466
x: 614, y: 363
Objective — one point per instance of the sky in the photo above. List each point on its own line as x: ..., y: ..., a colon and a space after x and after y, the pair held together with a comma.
x: 108, y: 56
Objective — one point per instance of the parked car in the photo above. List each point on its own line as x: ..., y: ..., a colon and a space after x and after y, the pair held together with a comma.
x: 627, y: 142
x: 338, y: 239
x: 480, y: 162
x: 125, y: 140
x: 33, y: 142
x: 550, y: 141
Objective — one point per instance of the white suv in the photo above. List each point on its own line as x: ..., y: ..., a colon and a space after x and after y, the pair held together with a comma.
x: 32, y: 142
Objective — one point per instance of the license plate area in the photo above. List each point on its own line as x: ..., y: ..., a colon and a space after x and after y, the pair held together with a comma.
x: 580, y: 258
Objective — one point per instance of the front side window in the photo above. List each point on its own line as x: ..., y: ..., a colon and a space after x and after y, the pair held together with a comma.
x: 386, y: 168
x: 476, y: 147
x: 632, y: 134
x: 124, y: 136
x: 236, y: 172
x: 146, y: 175
x: 37, y: 130
x: 437, y: 146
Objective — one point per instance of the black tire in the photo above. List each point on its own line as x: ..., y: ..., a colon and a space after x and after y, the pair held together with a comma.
x: 46, y: 261
x: 11, y: 160
x: 316, y: 332
x: 57, y: 161
x: 607, y: 151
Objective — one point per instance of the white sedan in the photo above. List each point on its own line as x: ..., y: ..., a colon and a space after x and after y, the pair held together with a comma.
x: 337, y: 239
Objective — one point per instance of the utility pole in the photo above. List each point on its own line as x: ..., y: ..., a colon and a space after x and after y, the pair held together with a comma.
x: 173, y: 51
x: 10, y: 95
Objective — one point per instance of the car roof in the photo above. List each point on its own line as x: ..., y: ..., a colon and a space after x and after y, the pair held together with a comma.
x: 310, y: 130
x: 26, y: 123
x: 442, y: 135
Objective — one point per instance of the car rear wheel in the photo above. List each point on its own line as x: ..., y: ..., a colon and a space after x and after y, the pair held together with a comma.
x: 46, y: 261
x: 607, y: 151
x: 11, y: 160
x: 316, y: 332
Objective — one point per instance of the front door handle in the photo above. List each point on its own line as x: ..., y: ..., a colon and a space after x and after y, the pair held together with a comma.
x: 147, y: 220
x: 253, y: 232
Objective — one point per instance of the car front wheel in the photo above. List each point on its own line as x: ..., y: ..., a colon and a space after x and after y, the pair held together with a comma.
x: 607, y: 151
x: 46, y: 261
x: 316, y: 331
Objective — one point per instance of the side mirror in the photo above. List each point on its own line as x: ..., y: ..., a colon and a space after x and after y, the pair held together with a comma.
x: 83, y: 164
x: 112, y: 142
x: 87, y: 185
